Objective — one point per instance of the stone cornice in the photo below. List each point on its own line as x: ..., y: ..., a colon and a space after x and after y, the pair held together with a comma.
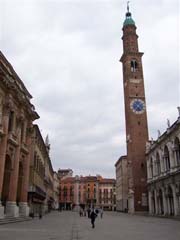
x: 163, y: 138
x: 11, y: 72
x: 130, y: 54
x: 12, y: 139
x: 15, y: 87
x: 24, y: 148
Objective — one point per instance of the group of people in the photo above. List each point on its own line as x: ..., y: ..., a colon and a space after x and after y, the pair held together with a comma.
x: 92, y: 214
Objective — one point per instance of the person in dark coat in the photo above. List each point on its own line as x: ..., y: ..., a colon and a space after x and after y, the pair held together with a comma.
x: 93, y: 216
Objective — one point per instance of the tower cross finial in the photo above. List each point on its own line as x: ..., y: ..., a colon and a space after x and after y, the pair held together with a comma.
x: 128, y: 6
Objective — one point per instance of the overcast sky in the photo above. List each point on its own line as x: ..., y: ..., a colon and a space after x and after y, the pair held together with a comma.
x: 67, y: 54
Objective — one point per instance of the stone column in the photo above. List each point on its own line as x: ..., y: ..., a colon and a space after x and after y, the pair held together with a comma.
x: 150, y: 202
x: 161, y: 156
x: 24, y: 131
x: 97, y: 194
x: 23, y: 205
x: 3, y: 146
x: 175, y: 200
x: 164, y: 202
x: 11, y: 207
x: 156, y: 202
x: 172, y: 158
x: 76, y: 193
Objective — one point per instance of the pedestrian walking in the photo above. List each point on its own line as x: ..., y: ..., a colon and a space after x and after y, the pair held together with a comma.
x: 40, y: 213
x: 80, y: 212
x: 93, y: 216
x: 101, y: 212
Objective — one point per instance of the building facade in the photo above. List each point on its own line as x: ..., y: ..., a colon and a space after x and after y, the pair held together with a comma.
x: 56, y: 191
x: 163, y: 168
x: 107, y: 194
x: 135, y: 117
x: 49, y: 185
x: 37, y: 190
x: 87, y: 191
x: 16, y: 117
x: 62, y: 173
x: 122, y: 184
x: 66, y: 193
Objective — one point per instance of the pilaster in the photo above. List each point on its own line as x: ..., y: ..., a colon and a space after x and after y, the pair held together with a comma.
x: 164, y: 202
x: 23, y: 209
x: 175, y: 200
x: 12, y: 210
x: 156, y: 202
x: 1, y: 211
x: 150, y: 202
x: 26, y: 170
x: 15, y: 172
x: 3, y: 146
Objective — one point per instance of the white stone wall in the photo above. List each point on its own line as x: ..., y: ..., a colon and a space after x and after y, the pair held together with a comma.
x: 164, y: 185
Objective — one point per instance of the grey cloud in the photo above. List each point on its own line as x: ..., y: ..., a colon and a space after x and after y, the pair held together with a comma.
x: 67, y: 53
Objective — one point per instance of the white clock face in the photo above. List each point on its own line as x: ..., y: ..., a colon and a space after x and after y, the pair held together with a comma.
x: 137, y: 106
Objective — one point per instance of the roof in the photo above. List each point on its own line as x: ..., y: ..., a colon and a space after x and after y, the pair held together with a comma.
x: 120, y: 159
x: 12, y: 71
x: 107, y: 180
x: 68, y: 180
x: 128, y: 20
x: 171, y: 129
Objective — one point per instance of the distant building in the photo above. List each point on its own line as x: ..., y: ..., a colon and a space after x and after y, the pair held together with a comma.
x: 163, y: 168
x: 56, y: 191
x: 62, y: 173
x: 16, y: 117
x: 122, y: 184
x: 66, y: 193
x: 43, y: 192
x: 87, y: 191
x: 107, y: 194
x: 37, y: 190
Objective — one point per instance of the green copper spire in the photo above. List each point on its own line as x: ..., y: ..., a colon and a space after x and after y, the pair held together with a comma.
x: 128, y: 20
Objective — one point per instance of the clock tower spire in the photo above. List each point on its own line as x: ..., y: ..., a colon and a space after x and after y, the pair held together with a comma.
x: 135, y: 116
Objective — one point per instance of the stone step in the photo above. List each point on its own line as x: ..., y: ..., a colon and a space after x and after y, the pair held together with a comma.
x: 8, y: 220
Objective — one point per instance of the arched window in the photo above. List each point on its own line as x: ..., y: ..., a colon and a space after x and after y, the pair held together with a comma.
x: 167, y: 159
x: 158, y: 164
x: 11, y: 119
x: 134, y: 65
x: 177, y: 151
x: 65, y: 191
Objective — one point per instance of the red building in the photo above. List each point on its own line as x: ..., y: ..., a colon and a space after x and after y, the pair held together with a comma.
x: 87, y: 191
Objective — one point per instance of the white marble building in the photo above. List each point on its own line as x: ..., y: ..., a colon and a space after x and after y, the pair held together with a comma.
x: 163, y: 169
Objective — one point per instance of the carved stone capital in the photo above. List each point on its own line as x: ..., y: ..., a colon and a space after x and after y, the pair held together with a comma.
x: 8, y: 104
x: 20, y: 117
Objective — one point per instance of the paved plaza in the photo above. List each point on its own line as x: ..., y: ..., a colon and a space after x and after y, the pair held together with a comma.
x: 113, y: 226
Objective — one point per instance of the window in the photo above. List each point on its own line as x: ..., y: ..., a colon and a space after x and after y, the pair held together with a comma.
x: 177, y: 151
x: 22, y: 131
x: 11, y: 118
x: 134, y: 65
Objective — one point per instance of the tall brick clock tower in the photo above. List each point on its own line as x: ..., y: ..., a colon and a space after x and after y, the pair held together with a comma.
x: 135, y: 116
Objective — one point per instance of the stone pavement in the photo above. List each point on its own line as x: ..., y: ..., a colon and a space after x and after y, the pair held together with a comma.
x: 113, y: 226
